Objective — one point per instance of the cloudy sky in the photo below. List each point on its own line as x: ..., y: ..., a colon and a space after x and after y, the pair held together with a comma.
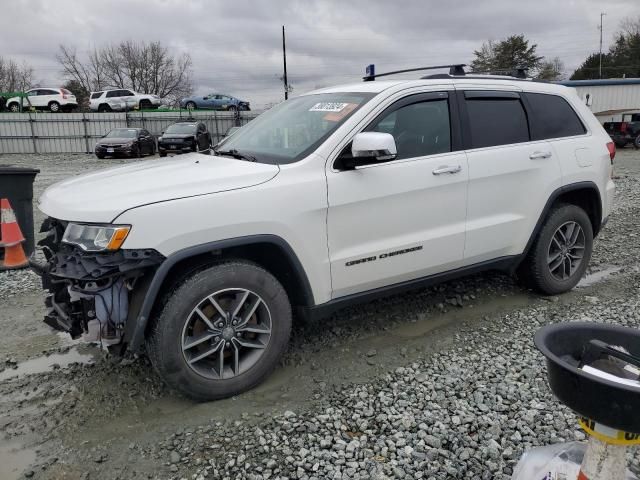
x: 236, y: 45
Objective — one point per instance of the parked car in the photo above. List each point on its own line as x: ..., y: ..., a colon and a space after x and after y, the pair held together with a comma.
x: 183, y: 137
x: 122, y: 99
x: 44, y: 98
x: 130, y: 142
x: 214, y: 101
x: 334, y: 197
x: 625, y: 132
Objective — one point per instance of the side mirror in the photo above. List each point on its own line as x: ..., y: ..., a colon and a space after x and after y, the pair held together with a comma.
x: 374, y: 146
x: 368, y: 148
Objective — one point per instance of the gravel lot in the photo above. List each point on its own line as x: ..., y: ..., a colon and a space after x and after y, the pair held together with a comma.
x: 439, y: 383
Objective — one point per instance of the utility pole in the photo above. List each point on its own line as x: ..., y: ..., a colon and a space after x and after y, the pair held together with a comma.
x: 602, y: 14
x: 284, y: 58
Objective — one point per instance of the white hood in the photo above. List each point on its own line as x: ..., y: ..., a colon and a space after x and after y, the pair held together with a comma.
x: 101, y: 196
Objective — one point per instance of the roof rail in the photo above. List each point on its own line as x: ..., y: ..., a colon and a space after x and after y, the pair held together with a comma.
x: 454, y: 69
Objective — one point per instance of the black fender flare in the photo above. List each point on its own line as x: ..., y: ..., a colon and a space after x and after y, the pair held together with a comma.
x: 589, y: 185
x: 138, y: 336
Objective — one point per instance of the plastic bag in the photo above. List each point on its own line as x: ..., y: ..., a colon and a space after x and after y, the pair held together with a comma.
x: 554, y: 462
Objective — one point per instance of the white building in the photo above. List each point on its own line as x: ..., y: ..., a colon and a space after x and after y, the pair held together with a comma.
x: 609, y: 99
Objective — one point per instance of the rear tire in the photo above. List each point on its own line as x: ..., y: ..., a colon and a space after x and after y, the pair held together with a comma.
x: 225, y: 355
x: 620, y: 144
x: 104, y: 108
x: 54, y: 107
x: 560, y: 253
x: 190, y: 106
x: 636, y: 142
x: 162, y: 154
x: 100, y: 156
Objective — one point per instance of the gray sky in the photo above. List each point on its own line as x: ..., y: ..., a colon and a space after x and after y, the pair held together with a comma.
x: 236, y: 45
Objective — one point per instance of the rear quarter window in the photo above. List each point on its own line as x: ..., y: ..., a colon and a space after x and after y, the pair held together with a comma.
x: 553, y: 117
x: 96, y: 95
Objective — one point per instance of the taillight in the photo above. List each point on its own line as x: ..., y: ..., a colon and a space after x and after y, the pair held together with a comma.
x: 612, y: 151
x: 64, y: 95
x: 623, y: 127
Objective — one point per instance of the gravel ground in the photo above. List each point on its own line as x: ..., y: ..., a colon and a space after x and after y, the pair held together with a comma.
x: 439, y: 383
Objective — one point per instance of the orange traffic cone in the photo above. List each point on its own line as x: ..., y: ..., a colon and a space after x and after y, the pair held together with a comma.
x: 11, y: 238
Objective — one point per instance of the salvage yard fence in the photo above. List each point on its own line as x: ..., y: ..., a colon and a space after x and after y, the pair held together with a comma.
x: 78, y: 132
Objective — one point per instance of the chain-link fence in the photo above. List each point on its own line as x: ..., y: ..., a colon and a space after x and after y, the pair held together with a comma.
x: 78, y: 132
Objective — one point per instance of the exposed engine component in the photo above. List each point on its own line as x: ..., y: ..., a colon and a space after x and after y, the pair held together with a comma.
x: 89, y: 290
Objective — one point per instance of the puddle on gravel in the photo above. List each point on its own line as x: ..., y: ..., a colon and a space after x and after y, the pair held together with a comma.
x: 14, y: 459
x: 46, y: 364
x: 598, y: 276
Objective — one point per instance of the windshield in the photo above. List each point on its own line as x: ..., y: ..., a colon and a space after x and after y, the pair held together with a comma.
x: 181, y: 128
x: 122, y: 133
x: 294, y: 128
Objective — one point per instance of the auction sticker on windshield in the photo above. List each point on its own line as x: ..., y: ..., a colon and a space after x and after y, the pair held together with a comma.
x: 328, y: 107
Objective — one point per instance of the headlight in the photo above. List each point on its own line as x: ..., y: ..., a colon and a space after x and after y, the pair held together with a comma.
x: 96, y: 238
x: 129, y: 144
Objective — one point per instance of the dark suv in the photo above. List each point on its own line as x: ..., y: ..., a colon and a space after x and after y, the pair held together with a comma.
x: 184, y: 137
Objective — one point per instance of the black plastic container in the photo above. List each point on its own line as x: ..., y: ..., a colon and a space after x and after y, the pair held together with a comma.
x: 16, y: 184
x: 610, y: 403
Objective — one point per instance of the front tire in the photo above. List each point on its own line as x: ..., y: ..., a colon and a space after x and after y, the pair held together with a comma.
x: 222, y: 331
x: 561, y: 252
x: 14, y: 108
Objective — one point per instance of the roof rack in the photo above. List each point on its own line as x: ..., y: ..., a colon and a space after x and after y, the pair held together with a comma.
x: 517, y: 72
x: 455, y: 69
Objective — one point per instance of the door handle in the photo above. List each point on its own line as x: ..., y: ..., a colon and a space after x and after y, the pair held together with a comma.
x: 540, y: 155
x: 447, y: 169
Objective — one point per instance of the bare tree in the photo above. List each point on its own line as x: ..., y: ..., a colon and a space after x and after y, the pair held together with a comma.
x: 15, y: 77
x: 89, y: 73
x: 141, y: 66
x: 630, y: 26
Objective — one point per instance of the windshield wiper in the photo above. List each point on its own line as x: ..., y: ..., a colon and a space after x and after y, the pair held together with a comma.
x: 236, y: 154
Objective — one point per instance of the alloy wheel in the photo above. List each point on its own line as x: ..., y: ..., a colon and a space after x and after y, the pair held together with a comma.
x: 226, y: 333
x: 566, y: 250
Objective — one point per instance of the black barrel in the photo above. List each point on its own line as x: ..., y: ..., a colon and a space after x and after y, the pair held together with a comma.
x: 566, y: 345
x: 16, y: 185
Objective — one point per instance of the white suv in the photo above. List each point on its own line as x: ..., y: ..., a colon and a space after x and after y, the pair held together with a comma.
x: 122, y: 99
x: 331, y: 198
x: 45, y: 98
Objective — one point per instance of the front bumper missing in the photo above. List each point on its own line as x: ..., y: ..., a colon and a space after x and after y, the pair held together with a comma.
x: 90, y: 292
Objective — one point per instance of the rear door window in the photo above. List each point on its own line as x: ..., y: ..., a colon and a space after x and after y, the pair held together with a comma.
x: 496, y: 118
x: 552, y: 117
x: 113, y: 93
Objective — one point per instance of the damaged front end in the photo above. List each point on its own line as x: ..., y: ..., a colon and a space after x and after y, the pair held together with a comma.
x: 92, y: 294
